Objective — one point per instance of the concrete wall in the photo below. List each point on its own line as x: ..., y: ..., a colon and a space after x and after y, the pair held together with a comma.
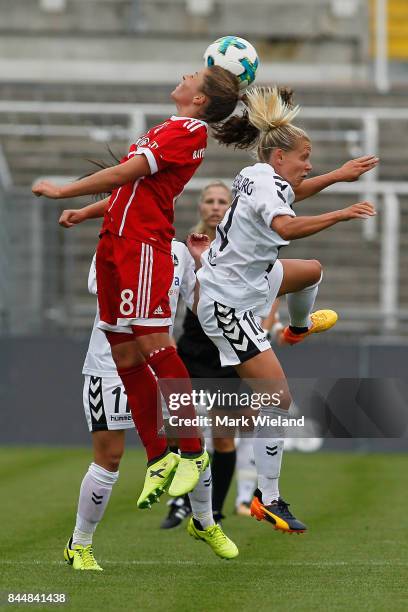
x: 277, y: 18
x: 41, y: 385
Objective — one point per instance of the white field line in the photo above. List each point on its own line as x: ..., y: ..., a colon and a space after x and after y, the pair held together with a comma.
x: 370, y: 563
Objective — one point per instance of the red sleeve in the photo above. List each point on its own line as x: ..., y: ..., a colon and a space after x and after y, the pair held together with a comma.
x: 180, y: 145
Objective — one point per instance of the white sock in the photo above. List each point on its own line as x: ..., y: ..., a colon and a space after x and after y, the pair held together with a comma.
x: 245, y: 471
x: 300, y: 305
x: 200, y: 500
x: 94, y: 495
x: 268, y: 450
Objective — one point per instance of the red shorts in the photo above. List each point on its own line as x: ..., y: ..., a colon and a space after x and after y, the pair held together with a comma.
x: 133, y: 281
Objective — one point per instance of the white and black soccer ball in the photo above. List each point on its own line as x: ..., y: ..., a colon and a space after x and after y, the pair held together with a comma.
x: 236, y: 55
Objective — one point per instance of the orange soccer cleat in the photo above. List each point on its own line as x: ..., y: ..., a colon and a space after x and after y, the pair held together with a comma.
x: 277, y: 513
x: 322, y: 320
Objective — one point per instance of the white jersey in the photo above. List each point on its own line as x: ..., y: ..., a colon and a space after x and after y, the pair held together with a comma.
x: 98, y: 360
x: 235, y: 268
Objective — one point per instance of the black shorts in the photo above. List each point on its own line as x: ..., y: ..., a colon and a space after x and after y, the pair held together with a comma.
x: 205, y: 366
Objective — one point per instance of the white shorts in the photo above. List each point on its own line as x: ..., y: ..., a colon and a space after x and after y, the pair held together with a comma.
x: 105, y: 404
x: 237, y: 333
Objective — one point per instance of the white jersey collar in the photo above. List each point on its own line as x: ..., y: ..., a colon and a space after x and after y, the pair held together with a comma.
x: 176, y: 118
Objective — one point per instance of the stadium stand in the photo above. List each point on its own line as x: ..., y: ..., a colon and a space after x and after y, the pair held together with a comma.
x: 60, y: 142
x: 49, y: 269
x: 70, y: 37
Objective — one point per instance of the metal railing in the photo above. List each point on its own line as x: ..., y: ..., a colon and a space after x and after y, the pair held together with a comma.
x: 365, y: 134
x: 367, y: 121
x: 387, y: 311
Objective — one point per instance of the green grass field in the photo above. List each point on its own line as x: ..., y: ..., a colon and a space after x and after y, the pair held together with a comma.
x: 353, y: 558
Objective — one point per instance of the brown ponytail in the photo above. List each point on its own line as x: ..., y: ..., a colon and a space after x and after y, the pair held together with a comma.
x: 237, y: 131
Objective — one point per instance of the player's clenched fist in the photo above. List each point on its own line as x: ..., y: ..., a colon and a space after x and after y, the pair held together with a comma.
x: 71, y: 217
x: 47, y: 189
x: 361, y: 210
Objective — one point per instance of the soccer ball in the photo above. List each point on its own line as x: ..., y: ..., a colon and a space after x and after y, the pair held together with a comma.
x: 236, y: 55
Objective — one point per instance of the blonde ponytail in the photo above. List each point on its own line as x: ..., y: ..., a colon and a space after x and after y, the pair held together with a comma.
x: 265, y: 124
x: 267, y: 110
x: 272, y: 115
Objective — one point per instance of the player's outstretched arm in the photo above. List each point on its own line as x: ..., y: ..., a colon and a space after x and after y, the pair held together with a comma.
x: 72, y: 217
x: 293, y: 228
x: 104, y: 181
x: 347, y: 173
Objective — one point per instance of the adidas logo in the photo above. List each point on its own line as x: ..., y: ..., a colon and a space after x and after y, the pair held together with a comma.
x: 158, y: 310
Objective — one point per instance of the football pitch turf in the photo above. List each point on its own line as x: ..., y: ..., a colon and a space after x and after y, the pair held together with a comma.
x: 354, y: 556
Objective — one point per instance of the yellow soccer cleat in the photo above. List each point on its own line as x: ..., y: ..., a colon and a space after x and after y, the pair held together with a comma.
x: 187, y: 474
x: 81, y: 557
x: 322, y: 320
x: 215, y: 538
x: 158, y: 478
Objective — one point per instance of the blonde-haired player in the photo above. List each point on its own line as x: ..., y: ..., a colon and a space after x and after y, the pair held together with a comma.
x: 241, y: 272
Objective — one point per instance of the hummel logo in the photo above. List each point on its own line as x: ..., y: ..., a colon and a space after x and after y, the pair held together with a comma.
x: 158, y: 310
x: 156, y: 473
x: 97, y: 413
x: 271, y: 450
x: 97, y: 499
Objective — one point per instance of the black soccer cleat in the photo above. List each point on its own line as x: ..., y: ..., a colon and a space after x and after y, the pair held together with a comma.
x: 277, y: 513
x: 179, y: 509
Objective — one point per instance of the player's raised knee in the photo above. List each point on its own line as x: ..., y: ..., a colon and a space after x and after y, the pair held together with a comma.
x: 316, y: 270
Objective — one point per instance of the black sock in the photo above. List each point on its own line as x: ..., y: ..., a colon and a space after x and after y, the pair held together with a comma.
x: 222, y: 469
x: 298, y: 330
x: 197, y: 524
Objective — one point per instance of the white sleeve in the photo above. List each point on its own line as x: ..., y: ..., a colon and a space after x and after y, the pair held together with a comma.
x: 188, y: 281
x: 273, y: 198
x: 92, y: 277
x: 151, y: 160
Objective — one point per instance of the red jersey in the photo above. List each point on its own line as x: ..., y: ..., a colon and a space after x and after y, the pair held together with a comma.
x: 144, y: 210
